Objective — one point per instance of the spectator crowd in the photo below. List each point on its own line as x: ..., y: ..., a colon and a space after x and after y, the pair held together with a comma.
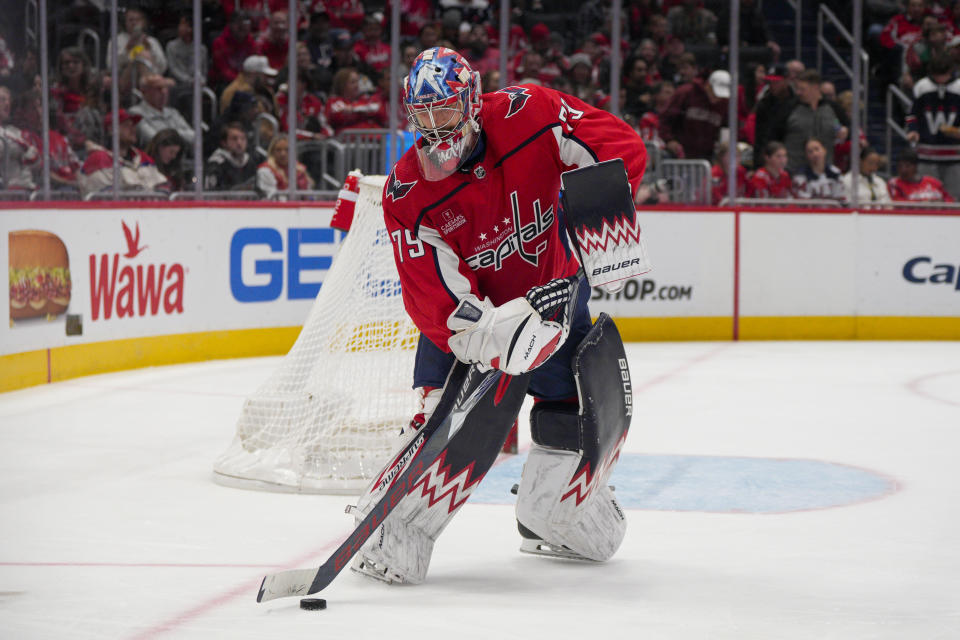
x: 794, y: 128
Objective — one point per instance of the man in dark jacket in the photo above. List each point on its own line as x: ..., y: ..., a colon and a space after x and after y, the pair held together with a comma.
x: 773, y: 108
x: 230, y: 166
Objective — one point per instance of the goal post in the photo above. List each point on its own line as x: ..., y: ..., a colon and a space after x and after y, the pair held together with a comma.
x: 327, y: 418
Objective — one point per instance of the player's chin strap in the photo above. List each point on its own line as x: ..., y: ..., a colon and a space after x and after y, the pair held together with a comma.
x: 519, y: 335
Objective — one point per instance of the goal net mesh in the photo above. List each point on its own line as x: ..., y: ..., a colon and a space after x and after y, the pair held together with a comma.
x: 327, y: 418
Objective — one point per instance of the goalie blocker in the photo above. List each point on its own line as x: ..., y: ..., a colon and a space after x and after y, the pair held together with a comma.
x: 602, y: 223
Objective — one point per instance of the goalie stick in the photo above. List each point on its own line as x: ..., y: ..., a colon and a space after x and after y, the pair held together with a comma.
x: 465, y: 387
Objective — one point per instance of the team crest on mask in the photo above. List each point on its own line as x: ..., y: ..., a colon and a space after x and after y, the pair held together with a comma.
x: 518, y: 99
x: 398, y: 189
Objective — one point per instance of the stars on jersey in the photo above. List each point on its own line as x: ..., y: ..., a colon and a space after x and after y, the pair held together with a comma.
x: 397, y: 189
x: 504, y: 225
x: 518, y: 98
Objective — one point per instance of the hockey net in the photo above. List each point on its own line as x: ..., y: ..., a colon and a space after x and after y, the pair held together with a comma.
x: 327, y: 419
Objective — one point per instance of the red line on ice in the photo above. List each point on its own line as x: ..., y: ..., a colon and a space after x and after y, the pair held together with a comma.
x: 915, y: 385
x: 248, y: 589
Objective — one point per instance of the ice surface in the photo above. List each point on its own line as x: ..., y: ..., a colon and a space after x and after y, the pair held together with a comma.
x: 775, y: 490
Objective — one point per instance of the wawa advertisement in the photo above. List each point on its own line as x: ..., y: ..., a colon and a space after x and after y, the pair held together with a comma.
x: 85, y: 276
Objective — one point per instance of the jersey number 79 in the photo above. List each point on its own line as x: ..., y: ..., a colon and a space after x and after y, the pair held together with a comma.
x: 414, y: 245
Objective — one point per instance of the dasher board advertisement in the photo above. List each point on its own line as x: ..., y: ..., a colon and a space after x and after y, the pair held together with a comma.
x: 86, y: 275
x: 692, y: 258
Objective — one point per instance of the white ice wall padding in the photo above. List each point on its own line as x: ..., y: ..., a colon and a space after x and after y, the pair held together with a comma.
x: 327, y: 418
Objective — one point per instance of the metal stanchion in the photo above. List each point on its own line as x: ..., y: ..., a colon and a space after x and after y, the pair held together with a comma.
x: 115, y: 99
x: 393, y: 153
x: 732, y: 120
x: 292, y: 105
x: 197, y: 100
x: 616, y: 22
x: 45, y: 99
x: 504, y: 42
x: 857, y: 103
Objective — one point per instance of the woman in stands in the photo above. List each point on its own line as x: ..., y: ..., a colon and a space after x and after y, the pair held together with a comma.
x: 718, y: 174
x: 349, y: 109
x: 64, y: 163
x: 76, y: 98
x: 272, y: 174
x: 166, y: 148
x: 871, y: 188
x: 18, y: 150
x: 772, y: 179
x: 818, y: 180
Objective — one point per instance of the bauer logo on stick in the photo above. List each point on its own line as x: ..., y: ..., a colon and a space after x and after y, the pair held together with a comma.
x: 602, y: 223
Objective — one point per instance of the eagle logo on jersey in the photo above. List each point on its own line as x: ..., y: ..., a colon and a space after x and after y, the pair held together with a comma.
x: 518, y: 98
x: 397, y: 189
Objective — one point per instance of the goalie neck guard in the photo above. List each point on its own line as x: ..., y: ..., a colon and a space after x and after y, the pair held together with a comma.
x: 441, y: 96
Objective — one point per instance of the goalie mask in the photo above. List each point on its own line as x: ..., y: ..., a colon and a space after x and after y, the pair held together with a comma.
x: 442, y: 98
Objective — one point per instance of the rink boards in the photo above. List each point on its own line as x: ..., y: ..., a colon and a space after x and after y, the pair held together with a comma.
x: 165, y: 283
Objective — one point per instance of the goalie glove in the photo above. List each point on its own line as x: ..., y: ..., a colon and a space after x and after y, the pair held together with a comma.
x: 519, y: 335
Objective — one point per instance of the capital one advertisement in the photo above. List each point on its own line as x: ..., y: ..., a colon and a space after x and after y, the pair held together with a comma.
x: 909, y: 265
x: 83, y: 276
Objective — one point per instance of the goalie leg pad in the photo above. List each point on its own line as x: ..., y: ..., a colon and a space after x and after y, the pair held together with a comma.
x: 400, y: 550
x: 563, y: 500
x: 553, y: 523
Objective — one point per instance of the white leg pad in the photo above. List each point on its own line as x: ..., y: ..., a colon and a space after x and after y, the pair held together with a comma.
x: 592, y: 529
x: 400, y: 549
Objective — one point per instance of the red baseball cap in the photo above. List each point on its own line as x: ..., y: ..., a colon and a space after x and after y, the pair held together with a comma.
x: 539, y: 32
x: 123, y: 115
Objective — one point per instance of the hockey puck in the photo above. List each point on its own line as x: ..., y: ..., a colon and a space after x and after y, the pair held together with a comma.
x: 313, y: 604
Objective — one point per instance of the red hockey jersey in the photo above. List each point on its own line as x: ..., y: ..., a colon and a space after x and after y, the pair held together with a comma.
x: 491, y: 228
x: 762, y: 184
x: 926, y: 189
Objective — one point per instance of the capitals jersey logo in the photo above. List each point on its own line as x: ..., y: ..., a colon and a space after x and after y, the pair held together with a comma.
x: 515, y: 241
x: 518, y: 99
x: 397, y: 190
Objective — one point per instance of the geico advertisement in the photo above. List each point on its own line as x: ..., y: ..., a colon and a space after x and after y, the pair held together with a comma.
x: 692, y: 275
x: 909, y: 265
x: 82, y: 275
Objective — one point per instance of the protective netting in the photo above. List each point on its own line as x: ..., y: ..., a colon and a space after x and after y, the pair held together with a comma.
x: 327, y: 418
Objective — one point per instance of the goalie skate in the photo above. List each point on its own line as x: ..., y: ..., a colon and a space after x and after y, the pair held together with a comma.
x: 533, y: 545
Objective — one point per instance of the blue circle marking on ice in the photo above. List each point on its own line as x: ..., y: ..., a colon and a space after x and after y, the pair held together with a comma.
x: 717, y: 484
